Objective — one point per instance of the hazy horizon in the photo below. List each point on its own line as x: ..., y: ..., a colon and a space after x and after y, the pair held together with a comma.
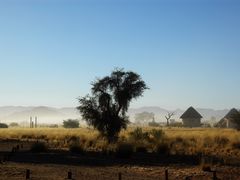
x: 187, y: 52
x: 136, y: 107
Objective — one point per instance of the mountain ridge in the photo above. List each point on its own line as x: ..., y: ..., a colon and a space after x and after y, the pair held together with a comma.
x: 47, y: 114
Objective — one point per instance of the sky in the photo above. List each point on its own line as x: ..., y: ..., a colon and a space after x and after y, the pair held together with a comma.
x: 187, y: 51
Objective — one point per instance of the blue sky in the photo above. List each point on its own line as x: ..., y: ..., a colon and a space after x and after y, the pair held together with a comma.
x: 187, y: 51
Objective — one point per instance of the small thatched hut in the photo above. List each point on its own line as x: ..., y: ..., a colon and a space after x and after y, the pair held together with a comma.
x: 191, y: 118
x: 231, y: 120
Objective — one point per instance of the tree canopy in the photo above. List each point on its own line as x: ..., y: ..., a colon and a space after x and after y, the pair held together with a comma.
x: 71, y: 123
x: 105, y: 109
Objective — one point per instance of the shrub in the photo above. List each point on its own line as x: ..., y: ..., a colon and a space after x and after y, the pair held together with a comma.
x: 77, y: 149
x: 53, y: 126
x: 2, y: 125
x: 138, y: 135
x: 124, y: 150
x: 206, y: 168
x: 71, y: 123
x: 208, y: 142
x: 221, y: 141
x: 39, y: 147
x: 14, y: 124
x: 73, y: 139
x: 141, y: 149
x: 163, y: 149
x: 236, y: 145
x: 158, y: 135
x: 153, y: 124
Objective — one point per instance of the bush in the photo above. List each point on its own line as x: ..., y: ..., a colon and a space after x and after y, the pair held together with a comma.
x: 14, y: 124
x: 124, y: 150
x: 138, y: 135
x: 76, y: 149
x: 206, y: 168
x: 39, y: 147
x: 2, y: 125
x: 236, y: 145
x: 153, y: 124
x: 163, y: 149
x: 208, y: 142
x: 141, y: 149
x: 221, y: 141
x: 53, y: 126
x: 158, y: 135
x: 71, y: 123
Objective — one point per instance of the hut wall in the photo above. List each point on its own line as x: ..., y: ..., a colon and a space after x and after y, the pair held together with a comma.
x: 231, y: 124
x: 192, y: 122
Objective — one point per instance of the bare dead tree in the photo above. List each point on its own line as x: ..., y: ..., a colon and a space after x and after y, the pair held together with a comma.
x: 169, y: 116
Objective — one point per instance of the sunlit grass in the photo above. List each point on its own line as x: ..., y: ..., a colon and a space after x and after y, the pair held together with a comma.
x: 180, y: 140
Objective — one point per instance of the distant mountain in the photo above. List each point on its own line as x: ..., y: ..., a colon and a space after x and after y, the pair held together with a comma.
x: 57, y: 115
x: 69, y: 111
x: 43, y: 113
x: 8, y: 110
x: 153, y: 109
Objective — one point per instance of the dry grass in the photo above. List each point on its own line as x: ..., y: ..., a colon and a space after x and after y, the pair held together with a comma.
x: 219, y: 142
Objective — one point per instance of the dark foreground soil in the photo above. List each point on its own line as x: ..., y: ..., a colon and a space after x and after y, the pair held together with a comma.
x: 55, y: 165
x: 57, y: 172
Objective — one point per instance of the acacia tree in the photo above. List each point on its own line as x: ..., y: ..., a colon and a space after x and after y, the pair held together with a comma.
x: 105, y: 109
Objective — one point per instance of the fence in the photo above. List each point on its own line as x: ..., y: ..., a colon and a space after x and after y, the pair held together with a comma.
x: 121, y: 177
x: 69, y: 175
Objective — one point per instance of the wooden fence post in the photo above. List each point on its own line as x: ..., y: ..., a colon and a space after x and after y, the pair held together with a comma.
x: 70, y: 174
x: 119, y: 176
x: 166, y: 174
x: 27, y: 174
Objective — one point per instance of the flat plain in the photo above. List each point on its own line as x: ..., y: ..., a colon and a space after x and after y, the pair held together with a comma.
x: 190, y: 153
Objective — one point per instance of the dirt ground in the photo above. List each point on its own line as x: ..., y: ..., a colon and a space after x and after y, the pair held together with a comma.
x: 55, y: 165
x: 59, y: 172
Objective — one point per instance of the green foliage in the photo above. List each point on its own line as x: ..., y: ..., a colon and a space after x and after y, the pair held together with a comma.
x: 71, y: 123
x: 2, y: 125
x: 39, y: 147
x: 124, y: 150
x: 106, y: 108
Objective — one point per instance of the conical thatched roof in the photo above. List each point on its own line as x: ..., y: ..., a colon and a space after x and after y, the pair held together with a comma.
x: 191, y: 113
x: 232, y: 113
x: 233, y: 116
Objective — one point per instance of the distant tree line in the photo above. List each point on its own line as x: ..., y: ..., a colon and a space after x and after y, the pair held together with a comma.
x: 2, y: 125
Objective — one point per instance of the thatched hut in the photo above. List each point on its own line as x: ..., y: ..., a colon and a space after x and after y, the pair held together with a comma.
x: 231, y: 120
x: 191, y: 118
